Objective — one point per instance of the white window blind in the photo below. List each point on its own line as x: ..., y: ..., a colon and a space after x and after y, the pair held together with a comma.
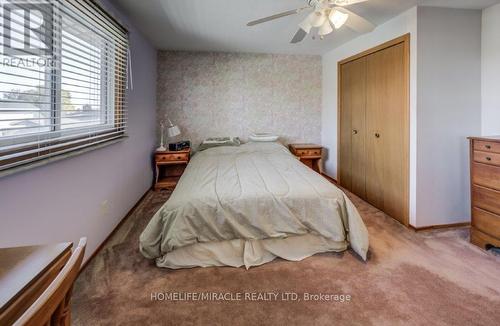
x: 63, y: 75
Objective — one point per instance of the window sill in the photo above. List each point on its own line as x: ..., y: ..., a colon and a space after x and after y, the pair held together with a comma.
x: 60, y: 157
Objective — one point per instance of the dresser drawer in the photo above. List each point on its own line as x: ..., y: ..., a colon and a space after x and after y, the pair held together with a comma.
x: 486, y: 222
x: 172, y: 157
x: 482, y: 239
x: 482, y: 145
x: 486, y: 175
x: 308, y: 152
x: 487, y: 157
x: 486, y: 199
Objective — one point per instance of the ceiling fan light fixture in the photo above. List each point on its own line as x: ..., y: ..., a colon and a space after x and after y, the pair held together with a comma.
x: 338, y: 18
x: 306, y: 25
x: 317, y: 18
x: 325, y: 29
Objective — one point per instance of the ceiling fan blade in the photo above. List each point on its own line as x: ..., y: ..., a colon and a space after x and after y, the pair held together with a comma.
x: 356, y: 22
x: 344, y: 3
x: 280, y: 15
x: 299, y: 36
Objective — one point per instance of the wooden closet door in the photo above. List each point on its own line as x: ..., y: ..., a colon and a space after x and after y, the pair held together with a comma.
x: 352, y: 125
x: 386, y: 130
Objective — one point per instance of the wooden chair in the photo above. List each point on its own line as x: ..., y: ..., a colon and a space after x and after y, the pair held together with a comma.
x: 52, y: 308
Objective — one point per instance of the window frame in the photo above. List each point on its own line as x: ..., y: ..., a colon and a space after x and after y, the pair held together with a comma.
x: 112, y: 92
x: 54, y: 76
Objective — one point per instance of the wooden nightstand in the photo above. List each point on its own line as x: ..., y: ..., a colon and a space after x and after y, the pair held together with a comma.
x: 169, y: 167
x: 309, y: 154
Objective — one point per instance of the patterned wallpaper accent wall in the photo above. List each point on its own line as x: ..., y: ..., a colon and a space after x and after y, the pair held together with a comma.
x: 211, y: 94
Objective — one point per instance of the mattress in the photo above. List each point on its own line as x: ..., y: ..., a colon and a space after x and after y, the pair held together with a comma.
x: 247, y: 205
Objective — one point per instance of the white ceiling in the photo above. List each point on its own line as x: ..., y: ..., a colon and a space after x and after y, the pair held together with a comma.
x: 464, y: 4
x: 220, y: 25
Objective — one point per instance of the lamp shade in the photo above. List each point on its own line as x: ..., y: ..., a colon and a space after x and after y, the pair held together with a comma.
x: 173, y: 131
x: 325, y: 29
x: 338, y: 18
x: 317, y: 18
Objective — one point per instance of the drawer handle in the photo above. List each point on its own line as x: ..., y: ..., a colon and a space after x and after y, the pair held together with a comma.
x: 377, y: 135
x: 488, y: 159
x: 354, y: 132
x: 488, y: 146
x: 179, y: 157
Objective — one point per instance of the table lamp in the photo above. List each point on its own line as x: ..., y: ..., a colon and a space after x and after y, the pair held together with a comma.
x: 172, y: 131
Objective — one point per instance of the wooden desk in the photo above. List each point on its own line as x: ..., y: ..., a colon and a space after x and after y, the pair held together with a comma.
x: 25, y: 272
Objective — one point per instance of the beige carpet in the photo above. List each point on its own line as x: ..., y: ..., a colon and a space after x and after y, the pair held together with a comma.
x: 432, y: 278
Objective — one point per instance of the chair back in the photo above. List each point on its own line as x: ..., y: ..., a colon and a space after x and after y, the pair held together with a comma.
x: 52, y: 308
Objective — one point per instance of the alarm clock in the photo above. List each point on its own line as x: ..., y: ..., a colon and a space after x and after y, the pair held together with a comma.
x: 185, y: 144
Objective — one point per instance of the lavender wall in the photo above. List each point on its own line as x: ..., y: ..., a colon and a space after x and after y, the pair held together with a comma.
x: 87, y: 195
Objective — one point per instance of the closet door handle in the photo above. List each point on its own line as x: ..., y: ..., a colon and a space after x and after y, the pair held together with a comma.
x: 377, y: 135
x: 354, y: 132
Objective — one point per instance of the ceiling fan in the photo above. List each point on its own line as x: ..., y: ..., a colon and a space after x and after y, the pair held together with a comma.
x: 326, y: 15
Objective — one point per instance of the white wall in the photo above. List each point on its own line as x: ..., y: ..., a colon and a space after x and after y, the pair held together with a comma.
x: 449, y: 110
x: 62, y: 201
x: 445, y: 105
x: 491, y: 71
x: 398, y: 26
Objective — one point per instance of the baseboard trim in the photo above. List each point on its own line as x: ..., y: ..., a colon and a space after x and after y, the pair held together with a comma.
x: 329, y: 178
x: 440, y: 226
x: 99, y: 248
x: 422, y: 228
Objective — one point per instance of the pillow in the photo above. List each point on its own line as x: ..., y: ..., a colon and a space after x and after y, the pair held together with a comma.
x: 263, y: 137
x: 219, y: 141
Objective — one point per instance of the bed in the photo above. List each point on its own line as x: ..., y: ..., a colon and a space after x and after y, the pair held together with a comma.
x: 247, y: 205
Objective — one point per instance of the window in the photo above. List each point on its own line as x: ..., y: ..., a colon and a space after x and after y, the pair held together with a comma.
x: 63, y: 70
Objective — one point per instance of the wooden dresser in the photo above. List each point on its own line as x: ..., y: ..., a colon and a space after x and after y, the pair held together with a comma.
x: 485, y: 191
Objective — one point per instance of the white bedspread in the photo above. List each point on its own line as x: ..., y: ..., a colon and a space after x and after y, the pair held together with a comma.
x: 245, y: 206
